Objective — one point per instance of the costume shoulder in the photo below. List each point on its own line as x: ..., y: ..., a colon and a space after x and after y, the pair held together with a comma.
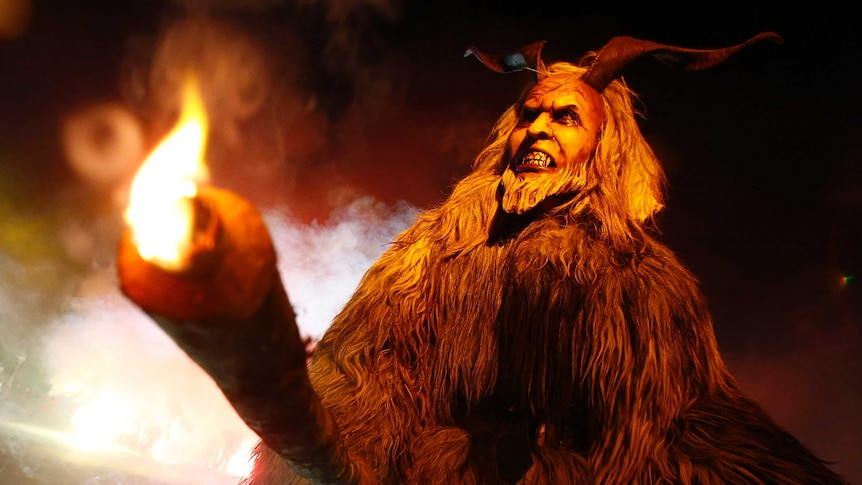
x: 660, y: 263
x: 663, y: 302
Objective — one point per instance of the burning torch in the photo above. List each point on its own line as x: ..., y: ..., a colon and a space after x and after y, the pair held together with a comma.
x: 200, y: 262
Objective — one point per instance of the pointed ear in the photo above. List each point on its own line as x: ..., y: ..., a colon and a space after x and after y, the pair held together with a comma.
x: 527, y: 57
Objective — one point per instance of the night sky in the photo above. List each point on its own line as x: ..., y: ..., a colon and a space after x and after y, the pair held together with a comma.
x: 763, y: 153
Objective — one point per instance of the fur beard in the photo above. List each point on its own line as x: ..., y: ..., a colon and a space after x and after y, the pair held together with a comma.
x: 500, y: 284
x: 522, y: 194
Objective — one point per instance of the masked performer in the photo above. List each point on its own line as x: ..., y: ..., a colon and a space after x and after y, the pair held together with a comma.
x: 532, y: 329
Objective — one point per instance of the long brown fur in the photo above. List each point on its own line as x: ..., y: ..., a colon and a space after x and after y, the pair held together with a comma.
x: 560, y: 347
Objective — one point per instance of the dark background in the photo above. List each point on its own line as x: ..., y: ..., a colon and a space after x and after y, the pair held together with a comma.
x: 762, y: 152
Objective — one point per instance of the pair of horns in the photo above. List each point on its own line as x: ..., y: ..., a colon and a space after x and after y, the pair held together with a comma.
x: 607, y: 64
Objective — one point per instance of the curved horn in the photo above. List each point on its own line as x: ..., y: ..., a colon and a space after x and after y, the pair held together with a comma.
x: 526, y: 57
x: 606, y: 65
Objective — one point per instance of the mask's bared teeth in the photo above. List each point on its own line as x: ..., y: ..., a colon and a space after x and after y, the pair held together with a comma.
x: 537, y: 159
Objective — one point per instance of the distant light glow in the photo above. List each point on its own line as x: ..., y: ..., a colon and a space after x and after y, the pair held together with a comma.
x: 240, y: 464
x: 15, y: 16
x: 100, y: 422
x: 103, y: 142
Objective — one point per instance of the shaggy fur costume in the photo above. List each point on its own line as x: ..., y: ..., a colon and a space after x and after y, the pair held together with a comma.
x: 562, y: 346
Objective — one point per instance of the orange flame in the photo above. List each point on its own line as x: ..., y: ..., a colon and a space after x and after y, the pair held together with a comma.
x: 160, y: 212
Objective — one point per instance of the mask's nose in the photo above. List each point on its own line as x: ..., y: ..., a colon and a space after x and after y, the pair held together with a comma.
x: 541, y: 127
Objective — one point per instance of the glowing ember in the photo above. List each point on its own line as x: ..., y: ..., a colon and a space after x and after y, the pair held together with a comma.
x: 160, y: 211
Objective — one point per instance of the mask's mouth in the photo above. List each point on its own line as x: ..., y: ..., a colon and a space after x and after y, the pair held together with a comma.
x: 534, y: 161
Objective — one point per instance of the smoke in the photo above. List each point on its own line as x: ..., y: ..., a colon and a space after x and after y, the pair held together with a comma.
x: 15, y: 300
x: 122, y: 391
x: 290, y: 92
x: 321, y: 264
x: 132, y: 389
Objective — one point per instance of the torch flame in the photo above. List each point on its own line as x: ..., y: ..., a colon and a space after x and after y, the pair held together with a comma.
x: 160, y: 212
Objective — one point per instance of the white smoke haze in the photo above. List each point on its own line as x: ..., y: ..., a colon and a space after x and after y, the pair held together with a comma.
x: 132, y: 389
x: 15, y: 301
x: 321, y: 264
x: 128, y: 402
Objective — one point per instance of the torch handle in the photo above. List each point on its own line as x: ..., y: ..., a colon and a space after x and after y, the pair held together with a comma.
x: 260, y: 366
x: 230, y: 313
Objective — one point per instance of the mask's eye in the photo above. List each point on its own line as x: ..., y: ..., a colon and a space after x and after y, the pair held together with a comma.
x: 529, y: 114
x: 568, y: 117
